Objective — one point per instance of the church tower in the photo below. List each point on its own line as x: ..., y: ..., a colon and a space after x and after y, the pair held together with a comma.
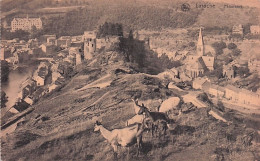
x: 200, y: 45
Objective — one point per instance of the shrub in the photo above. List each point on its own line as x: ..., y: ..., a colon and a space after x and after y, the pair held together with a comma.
x: 236, y: 52
x: 232, y: 46
x: 219, y: 46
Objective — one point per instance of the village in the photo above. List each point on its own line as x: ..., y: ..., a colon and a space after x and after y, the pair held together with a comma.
x: 59, y: 57
x: 130, y: 80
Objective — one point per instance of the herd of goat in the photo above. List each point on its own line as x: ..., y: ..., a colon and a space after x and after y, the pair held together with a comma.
x: 144, y: 119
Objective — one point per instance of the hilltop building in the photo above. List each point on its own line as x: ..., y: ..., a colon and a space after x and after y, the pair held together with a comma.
x: 255, y: 29
x: 238, y: 29
x: 89, y: 38
x: 25, y: 23
x: 199, y: 63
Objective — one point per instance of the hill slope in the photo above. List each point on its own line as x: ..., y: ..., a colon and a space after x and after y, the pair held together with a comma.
x: 61, y: 125
x: 140, y: 14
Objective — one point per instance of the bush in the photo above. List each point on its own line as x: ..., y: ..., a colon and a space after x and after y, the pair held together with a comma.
x: 219, y: 46
x: 232, y: 46
x: 236, y: 52
x: 4, y: 70
x: 22, y: 35
x: 242, y: 71
x: 110, y: 29
x: 4, y: 99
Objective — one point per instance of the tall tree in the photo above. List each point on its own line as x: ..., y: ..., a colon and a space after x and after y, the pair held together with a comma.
x: 4, y: 70
x: 4, y: 99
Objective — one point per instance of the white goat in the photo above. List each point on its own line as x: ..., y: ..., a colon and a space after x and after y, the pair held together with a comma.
x: 135, y: 119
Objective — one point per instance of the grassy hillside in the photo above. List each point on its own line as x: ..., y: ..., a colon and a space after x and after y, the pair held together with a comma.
x: 222, y: 17
x: 140, y: 14
x: 61, y: 125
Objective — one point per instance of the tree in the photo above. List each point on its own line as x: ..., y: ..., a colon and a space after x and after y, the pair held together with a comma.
x: 4, y: 70
x: 247, y: 28
x: 232, y: 46
x: 236, y: 52
x: 34, y: 33
x: 191, y: 44
x: 24, y: 35
x: 110, y: 29
x: 4, y: 99
x: 242, y: 71
x: 130, y: 35
x: 220, y: 106
x: 219, y: 46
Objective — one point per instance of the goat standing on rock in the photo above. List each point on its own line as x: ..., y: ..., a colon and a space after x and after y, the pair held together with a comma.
x: 124, y: 137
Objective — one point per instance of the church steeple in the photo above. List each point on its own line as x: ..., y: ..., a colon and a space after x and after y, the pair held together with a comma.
x: 200, y: 44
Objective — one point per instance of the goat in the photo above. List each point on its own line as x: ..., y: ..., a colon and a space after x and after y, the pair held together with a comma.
x: 136, y: 106
x: 155, y: 118
x: 124, y: 137
x: 135, y: 119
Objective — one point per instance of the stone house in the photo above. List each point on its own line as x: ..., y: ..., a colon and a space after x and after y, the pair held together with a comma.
x: 232, y: 93
x: 216, y: 90
x: 228, y: 72
x: 248, y: 97
x: 5, y: 53
x: 238, y: 29
x: 201, y: 83
x: 255, y: 29
x: 41, y: 77
x: 28, y: 87
x: 48, y: 48
x: 36, y: 95
x: 20, y: 56
x: 51, y: 40
x: 45, y: 37
x: 64, y: 41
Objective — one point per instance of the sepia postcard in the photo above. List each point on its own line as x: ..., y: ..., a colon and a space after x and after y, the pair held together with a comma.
x: 130, y: 80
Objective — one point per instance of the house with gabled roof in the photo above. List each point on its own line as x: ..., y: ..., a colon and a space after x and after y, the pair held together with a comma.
x: 201, y: 83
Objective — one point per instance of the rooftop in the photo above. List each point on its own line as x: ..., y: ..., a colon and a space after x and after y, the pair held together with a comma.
x: 200, y: 80
x: 43, y: 72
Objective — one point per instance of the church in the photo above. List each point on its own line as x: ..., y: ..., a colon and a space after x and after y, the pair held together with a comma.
x: 198, y: 63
